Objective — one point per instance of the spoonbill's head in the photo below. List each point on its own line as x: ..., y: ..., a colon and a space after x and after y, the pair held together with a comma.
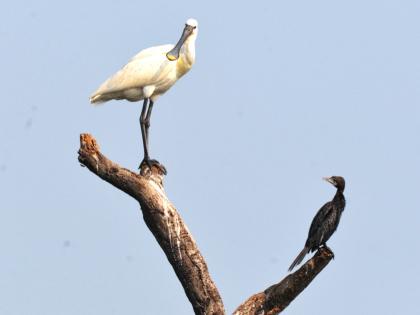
x: 337, y: 181
x: 190, y: 32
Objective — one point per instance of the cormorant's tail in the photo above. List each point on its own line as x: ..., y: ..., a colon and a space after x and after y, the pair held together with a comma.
x: 299, y: 258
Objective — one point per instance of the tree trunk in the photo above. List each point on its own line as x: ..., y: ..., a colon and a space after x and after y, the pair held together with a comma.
x: 179, y: 246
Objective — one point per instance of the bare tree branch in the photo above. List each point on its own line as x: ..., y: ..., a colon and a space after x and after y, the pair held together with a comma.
x: 163, y: 221
x: 277, y: 297
x: 179, y: 246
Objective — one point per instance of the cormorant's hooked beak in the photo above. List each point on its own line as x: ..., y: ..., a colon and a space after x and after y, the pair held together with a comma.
x: 174, y: 53
x: 329, y: 179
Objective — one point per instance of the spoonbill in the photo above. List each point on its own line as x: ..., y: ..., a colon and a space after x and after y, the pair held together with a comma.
x: 148, y: 75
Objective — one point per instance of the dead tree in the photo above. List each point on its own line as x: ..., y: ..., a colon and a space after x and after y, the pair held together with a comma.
x: 182, y: 252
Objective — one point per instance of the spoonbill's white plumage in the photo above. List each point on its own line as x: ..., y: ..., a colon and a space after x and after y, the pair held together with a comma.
x: 148, y: 75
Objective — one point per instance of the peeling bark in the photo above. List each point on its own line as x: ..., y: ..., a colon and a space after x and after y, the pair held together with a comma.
x: 182, y: 252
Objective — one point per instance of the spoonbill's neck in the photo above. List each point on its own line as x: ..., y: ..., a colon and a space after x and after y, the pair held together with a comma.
x: 188, y: 51
x: 186, y: 57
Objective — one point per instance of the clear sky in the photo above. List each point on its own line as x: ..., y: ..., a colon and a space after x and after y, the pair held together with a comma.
x: 282, y: 93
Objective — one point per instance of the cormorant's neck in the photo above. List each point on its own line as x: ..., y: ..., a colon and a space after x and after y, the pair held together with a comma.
x: 339, y: 199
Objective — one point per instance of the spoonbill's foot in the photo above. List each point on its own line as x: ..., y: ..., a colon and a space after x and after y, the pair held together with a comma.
x: 153, y: 163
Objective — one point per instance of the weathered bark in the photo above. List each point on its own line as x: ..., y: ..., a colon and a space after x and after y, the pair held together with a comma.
x: 163, y: 221
x: 179, y: 246
x: 277, y: 297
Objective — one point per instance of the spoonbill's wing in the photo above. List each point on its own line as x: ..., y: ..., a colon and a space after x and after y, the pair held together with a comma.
x: 149, y: 67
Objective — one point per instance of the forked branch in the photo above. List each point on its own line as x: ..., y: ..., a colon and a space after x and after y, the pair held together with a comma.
x: 179, y: 246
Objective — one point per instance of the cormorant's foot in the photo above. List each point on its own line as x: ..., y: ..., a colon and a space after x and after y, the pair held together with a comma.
x: 324, y: 246
x: 150, y: 163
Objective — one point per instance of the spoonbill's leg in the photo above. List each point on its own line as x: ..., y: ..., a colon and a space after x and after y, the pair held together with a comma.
x: 146, y: 113
x: 147, y: 121
x: 143, y: 129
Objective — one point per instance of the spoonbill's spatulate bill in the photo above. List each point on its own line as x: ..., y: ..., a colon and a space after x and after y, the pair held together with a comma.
x: 148, y: 75
x: 325, y: 221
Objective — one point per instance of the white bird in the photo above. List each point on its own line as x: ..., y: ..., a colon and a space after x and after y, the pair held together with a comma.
x: 148, y: 75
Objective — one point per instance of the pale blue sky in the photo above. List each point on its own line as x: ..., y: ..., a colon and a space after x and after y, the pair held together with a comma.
x: 282, y: 93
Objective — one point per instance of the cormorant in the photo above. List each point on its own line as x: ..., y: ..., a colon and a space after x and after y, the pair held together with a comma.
x: 325, y: 221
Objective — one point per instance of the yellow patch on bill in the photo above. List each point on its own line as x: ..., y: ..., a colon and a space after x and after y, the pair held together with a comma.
x: 170, y: 57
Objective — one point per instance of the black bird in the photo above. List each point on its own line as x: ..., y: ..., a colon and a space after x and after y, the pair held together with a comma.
x: 325, y: 222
